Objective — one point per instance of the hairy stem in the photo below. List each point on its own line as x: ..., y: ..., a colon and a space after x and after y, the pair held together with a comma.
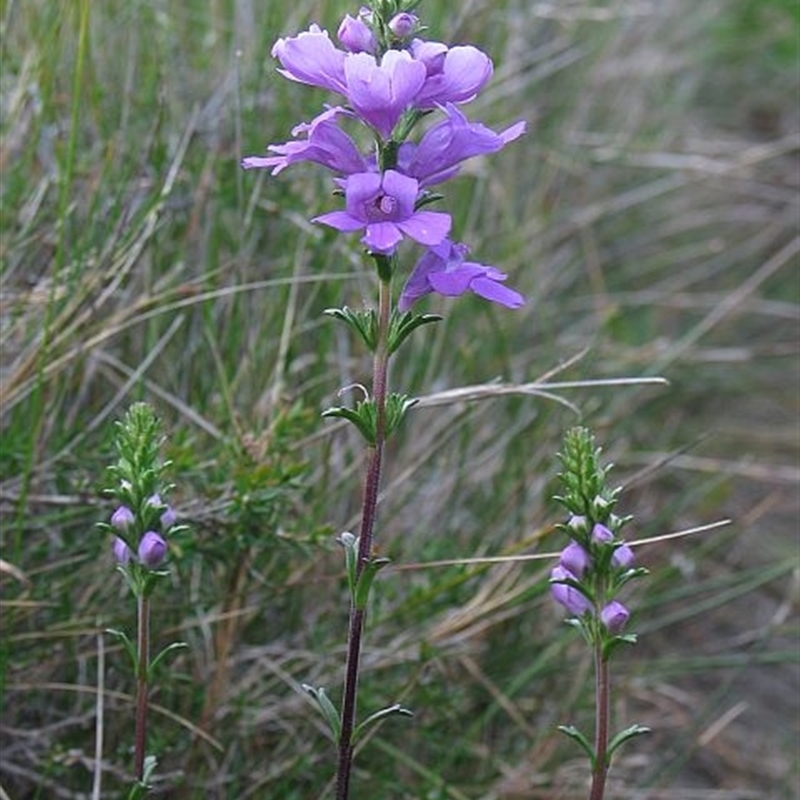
x: 143, y: 650
x: 368, y: 508
x: 602, y: 712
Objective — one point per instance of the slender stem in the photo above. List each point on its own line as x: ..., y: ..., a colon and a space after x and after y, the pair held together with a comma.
x: 602, y: 713
x: 368, y: 508
x: 143, y: 649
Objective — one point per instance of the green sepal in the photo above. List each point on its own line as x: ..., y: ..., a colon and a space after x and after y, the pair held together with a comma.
x: 577, y: 736
x: 127, y: 644
x: 327, y: 708
x: 426, y: 199
x: 161, y: 655
x: 365, y: 580
x: 377, y: 716
x: 622, y: 737
x: 629, y: 575
x: 401, y: 326
x: 616, y: 641
x: 364, y: 323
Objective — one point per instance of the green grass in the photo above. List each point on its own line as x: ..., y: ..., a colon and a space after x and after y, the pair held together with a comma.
x: 650, y: 216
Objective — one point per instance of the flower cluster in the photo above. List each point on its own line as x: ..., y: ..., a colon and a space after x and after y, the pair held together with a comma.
x: 596, y: 563
x: 585, y: 573
x: 152, y: 549
x: 390, y: 79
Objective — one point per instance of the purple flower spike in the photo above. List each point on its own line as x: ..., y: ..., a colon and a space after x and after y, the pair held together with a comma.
x: 623, y: 557
x: 443, y: 270
x: 455, y: 75
x: 450, y: 142
x: 568, y: 596
x: 380, y: 93
x: 384, y: 205
x: 355, y: 35
x: 152, y: 549
x: 575, y: 559
x: 122, y: 518
x: 326, y: 144
x: 614, y: 616
x: 311, y: 58
x: 122, y: 553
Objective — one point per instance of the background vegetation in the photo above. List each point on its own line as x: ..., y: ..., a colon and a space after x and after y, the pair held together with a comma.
x: 651, y: 217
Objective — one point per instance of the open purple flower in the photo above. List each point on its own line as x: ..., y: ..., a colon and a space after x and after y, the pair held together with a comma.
x: 445, y: 145
x: 325, y: 143
x: 443, y: 270
x: 454, y: 74
x: 384, y: 205
x: 568, y: 596
x: 381, y: 92
x: 311, y: 57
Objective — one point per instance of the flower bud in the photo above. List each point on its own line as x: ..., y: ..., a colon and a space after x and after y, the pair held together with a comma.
x: 122, y: 518
x: 168, y: 518
x: 601, y: 534
x: 356, y: 36
x: 568, y: 596
x: 577, y: 524
x: 403, y: 25
x: 575, y: 559
x: 122, y: 553
x: 152, y: 549
x: 623, y: 557
x: 614, y: 616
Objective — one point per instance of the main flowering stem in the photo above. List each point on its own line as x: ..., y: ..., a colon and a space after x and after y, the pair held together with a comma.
x: 143, y: 649
x: 602, y: 713
x: 368, y: 509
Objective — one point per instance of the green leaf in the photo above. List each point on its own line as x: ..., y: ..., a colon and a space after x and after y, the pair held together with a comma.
x: 364, y: 323
x: 327, y: 708
x: 365, y: 580
x: 127, y: 644
x: 622, y: 737
x: 160, y: 657
x: 615, y: 641
x: 402, y: 325
x: 350, y: 543
x: 577, y: 736
x: 395, y: 709
x: 362, y: 416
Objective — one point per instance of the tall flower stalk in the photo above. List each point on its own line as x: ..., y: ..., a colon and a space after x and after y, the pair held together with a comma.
x: 592, y: 570
x: 390, y: 80
x: 141, y: 526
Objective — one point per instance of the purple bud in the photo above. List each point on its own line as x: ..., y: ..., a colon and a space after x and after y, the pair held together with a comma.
x: 601, y: 534
x: 577, y: 524
x: 403, y: 25
x: 575, y: 559
x: 614, y: 616
x: 152, y: 549
x: 122, y: 553
x: 568, y: 596
x: 168, y: 518
x: 122, y: 518
x: 355, y: 35
x: 623, y: 557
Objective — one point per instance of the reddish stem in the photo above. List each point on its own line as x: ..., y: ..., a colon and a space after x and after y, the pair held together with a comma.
x: 602, y: 714
x: 143, y: 648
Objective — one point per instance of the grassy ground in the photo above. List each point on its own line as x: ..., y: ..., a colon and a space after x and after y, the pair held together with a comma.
x: 650, y: 216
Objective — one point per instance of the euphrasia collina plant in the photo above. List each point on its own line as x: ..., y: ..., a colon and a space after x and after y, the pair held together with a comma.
x: 389, y: 78
x: 592, y: 571
x: 141, y: 527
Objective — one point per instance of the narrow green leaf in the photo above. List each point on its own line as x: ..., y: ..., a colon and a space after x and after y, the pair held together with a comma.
x: 395, y: 709
x: 622, y: 737
x: 160, y: 657
x: 127, y: 644
x: 577, y: 736
x: 327, y: 708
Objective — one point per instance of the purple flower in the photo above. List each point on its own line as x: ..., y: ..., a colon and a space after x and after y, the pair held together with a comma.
x: 614, y: 616
x: 168, y: 518
x: 568, y: 596
x: 152, y: 549
x: 443, y: 269
x: 311, y: 58
x: 325, y: 144
x: 454, y: 75
x: 575, y: 559
x: 122, y: 518
x: 384, y: 205
x: 601, y: 534
x: 453, y: 140
x: 380, y: 93
x: 355, y: 35
x: 122, y: 553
